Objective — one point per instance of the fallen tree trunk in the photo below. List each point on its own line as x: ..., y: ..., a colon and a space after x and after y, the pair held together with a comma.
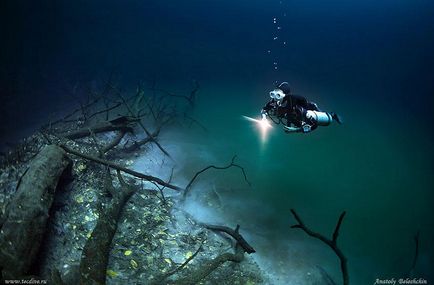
x: 95, y: 256
x: 120, y: 124
x: 26, y: 218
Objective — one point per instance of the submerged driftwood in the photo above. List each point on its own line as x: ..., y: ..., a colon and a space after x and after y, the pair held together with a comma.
x: 26, y: 218
x: 209, y: 266
x: 95, y: 256
x: 123, y: 124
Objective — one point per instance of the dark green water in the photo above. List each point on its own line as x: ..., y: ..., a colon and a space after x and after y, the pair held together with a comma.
x: 376, y: 168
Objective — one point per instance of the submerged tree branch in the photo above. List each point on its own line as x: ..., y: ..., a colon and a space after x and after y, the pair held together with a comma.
x: 106, y: 110
x: 139, y: 121
x: 235, y: 234
x: 160, y: 279
x: 121, y: 168
x: 416, y: 255
x: 66, y: 117
x: 119, y: 124
x: 209, y: 266
x: 232, y: 164
x: 137, y: 144
x: 332, y: 243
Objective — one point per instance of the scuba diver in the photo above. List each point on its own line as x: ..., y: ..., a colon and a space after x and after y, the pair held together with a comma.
x: 296, y: 113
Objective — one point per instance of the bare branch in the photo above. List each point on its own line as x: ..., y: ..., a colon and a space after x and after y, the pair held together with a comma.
x: 159, y: 280
x: 338, y: 225
x: 194, y: 121
x: 107, y: 109
x: 209, y: 266
x: 140, y: 123
x: 235, y: 234
x: 416, y: 255
x: 135, y: 145
x: 329, y: 242
x: 121, y: 168
x: 82, y: 107
x: 92, y: 135
x: 232, y: 164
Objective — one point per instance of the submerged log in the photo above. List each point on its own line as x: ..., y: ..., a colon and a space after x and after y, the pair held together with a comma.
x: 26, y: 218
x: 95, y: 256
x: 123, y: 124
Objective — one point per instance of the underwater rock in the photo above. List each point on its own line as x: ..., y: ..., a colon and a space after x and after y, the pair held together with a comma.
x: 26, y: 217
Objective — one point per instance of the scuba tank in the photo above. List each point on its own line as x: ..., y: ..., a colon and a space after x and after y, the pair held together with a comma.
x: 321, y: 118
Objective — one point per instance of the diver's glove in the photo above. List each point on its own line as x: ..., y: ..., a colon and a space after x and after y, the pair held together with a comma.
x: 263, y: 114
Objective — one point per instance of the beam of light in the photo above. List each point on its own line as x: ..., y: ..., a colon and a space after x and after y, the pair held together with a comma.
x: 263, y: 125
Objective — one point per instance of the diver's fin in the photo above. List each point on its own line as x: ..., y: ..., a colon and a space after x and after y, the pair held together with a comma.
x: 337, y: 118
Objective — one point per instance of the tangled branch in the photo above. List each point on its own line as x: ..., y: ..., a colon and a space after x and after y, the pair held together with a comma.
x: 232, y: 164
x: 332, y: 243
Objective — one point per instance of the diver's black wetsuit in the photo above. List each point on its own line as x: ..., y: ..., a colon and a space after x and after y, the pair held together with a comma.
x: 293, y: 108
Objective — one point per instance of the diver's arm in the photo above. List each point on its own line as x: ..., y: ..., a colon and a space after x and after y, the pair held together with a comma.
x: 292, y: 129
x: 264, y: 113
x: 268, y: 107
x: 305, y: 128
